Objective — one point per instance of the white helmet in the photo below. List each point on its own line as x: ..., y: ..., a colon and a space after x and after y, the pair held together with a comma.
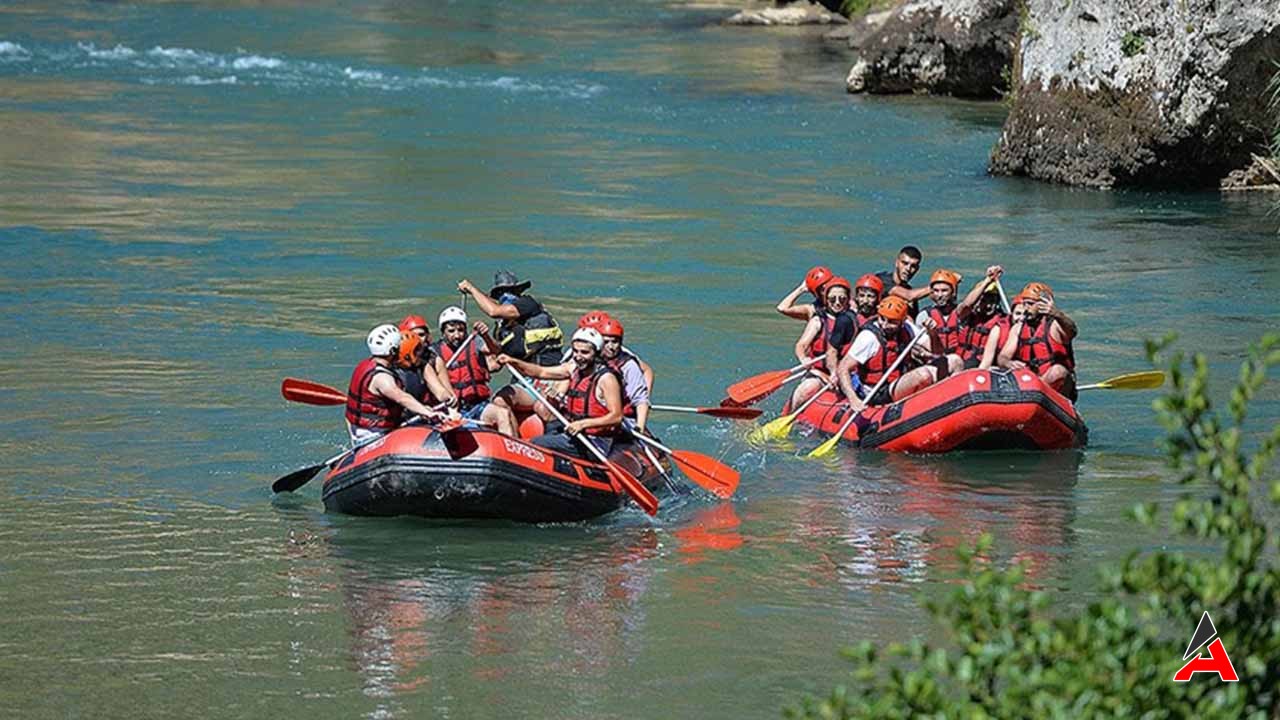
x: 453, y: 313
x: 591, y: 336
x: 383, y: 340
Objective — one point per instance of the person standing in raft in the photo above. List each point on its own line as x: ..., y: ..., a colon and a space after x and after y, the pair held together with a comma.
x: 636, y: 383
x: 592, y: 393
x: 813, y: 283
x: 1042, y: 341
x: 876, y: 348
x: 469, y: 375
x: 523, y: 329
x: 417, y: 376
x: 375, y: 399
x: 897, y: 282
x: 827, y: 335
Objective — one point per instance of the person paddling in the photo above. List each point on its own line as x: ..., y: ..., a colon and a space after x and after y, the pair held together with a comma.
x: 827, y: 335
x: 469, y: 375
x: 523, y: 329
x: 814, y: 281
x: 1043, y: 341
x: 637, y: 384
x: 876, y: 348
x: 985, y: 321
x: 375, y: 400
x: 592, y: 393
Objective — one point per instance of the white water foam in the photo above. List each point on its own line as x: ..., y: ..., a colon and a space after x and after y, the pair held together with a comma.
x: 119, y: 52
x: 250, y: 62
x: 192, y: 67
x: 13, y: 51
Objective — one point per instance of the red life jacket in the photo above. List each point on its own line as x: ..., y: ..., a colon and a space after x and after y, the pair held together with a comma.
x: 873, y: 369
x: 617, y: 364
x: 1040, y: 351
x: 860, y: 321
x: 948, y: 329
x: 581, y: 403
x: 973, y: 335
x: 364, y: 408
x: 818, y: 348
x: 470, y: 375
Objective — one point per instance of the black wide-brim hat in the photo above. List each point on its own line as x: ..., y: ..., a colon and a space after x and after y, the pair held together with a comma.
x: 507, y: 280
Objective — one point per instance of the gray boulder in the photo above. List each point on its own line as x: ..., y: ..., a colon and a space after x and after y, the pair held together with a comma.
x: 801, y: 13
x: 952, y: 47
x: 1140, y: 92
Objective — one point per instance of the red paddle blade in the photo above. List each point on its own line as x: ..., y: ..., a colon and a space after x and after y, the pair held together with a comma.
x: 711, y: 474
x: 647, y: 501
x: 732, y: 413
x: 311, y: 393
x: 754, y: 388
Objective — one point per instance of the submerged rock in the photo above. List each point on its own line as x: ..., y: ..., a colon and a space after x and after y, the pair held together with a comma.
x: 1140, y: 93
x: 802, y: 13
x: 953, y: 47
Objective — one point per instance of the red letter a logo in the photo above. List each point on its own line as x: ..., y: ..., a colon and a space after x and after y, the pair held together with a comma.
x: 1217, y: 662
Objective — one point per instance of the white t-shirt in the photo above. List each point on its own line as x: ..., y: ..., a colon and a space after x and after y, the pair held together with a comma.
x: 866, y: 344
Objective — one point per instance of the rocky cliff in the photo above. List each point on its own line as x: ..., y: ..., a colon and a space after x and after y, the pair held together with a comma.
x: 1139, y: 92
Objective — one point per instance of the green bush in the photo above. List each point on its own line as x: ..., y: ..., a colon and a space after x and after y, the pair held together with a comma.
x: 1007, y: 656
x: 1132, y: 43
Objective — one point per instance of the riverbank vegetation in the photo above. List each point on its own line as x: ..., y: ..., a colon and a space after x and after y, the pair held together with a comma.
x: 1007, y: 655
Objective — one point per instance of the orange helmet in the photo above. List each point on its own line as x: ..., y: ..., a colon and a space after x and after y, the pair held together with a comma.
x: 816, y: 278
x: 413, y: 322
x: 410, y: 343
x: 837, y: 281
x: 593, y: 319
x: 893, y: 308
x: 610, y: 328
x: 871, y: 282
x: 945, y: 276
x: 1033, y: 290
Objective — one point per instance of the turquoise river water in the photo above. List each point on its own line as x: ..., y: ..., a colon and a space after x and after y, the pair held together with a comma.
x: 198, y: 199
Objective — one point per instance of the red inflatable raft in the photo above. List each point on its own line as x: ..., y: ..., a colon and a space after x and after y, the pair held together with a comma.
x: 477, y: 473
x: 972, y: 410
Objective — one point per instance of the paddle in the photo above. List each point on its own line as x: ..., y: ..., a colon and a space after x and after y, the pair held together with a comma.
x: 311, y: 393
x: 757, y: 387
x: 298, y: 478
x: 731, y: 413
x: 710, y: 474
x: 645, y: 499
x: 1147, y: 380
x: 826, y: 447
x: 779, y: 428
x: 1003, y: 300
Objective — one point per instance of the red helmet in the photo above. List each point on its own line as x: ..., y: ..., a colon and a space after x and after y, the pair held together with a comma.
x: 610, y: 328
x: 837, y: 281
x: 413, y: 322
x: 893, y: 308
x: 593, y: 319
x: 817, y: 277
x: 871, y: 282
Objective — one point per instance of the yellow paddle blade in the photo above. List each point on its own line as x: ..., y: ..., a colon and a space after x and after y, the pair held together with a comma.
x: 825, y: 448
x: 778, y: 428
x: 1148, y: 380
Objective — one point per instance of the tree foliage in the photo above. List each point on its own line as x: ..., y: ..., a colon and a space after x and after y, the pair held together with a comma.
x: 1006, y: 655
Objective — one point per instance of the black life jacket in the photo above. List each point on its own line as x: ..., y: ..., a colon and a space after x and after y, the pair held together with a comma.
x: 536, y: 339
